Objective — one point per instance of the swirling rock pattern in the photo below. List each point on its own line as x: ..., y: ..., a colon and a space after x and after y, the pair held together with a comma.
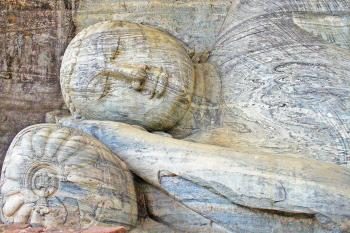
x: 286, y: 87
x: 266, y: 188
x: 60, y: 177
x: 119, y: 71
x: 283, y: 67
x: 195, y: 22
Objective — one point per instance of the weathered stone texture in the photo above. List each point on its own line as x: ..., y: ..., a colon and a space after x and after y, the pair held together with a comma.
x: 26, y: 228
x: 33, y: 37
x: 286, y: 88
x: 314, y: 192
x: 267, y: 114
x: 195, y: 22
x: 59, y: 177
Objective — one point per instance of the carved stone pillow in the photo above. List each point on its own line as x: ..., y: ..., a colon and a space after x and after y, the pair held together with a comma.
x: 61, y: 177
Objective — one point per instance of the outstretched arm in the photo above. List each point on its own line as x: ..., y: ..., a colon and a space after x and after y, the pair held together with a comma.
x: 287, y: 184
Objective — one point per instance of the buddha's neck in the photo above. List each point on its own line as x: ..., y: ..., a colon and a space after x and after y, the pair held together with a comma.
x: 204, y: 112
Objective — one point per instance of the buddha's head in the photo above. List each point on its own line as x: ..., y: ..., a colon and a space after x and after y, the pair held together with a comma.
x: 127, y: 72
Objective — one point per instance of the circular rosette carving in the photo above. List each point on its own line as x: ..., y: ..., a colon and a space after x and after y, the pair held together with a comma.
x: 61, y: 177
x: 43, y: 180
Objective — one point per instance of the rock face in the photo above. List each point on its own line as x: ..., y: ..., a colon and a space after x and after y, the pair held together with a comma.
x: 59, y: 177
x: 195, y: 22
x: 33, y: 37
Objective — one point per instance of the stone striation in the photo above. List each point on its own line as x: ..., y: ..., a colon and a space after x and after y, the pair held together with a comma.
x: 195, y: 22
x: 33, y: 37
x: 59, y: 177
x: 117, y: 71
x: 26, y: 228
x: 285, y: 87
x: 273, y: 105
x: 265, y: 187
x: 35, y: 33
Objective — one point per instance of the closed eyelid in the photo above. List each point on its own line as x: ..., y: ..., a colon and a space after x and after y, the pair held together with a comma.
x: 118, y: 75
x: 125, y: 72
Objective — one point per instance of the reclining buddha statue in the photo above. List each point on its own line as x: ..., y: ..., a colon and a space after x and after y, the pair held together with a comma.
x: 253, y: 139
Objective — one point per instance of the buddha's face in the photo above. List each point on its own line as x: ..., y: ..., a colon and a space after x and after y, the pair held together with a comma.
x: 127, y: 72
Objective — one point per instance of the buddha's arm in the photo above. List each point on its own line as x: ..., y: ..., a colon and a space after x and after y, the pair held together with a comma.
x: 293, y: 185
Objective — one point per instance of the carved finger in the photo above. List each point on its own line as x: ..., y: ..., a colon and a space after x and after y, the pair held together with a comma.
x: 23, y: 213
x: 36, y: 218
x: 12, y: 204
